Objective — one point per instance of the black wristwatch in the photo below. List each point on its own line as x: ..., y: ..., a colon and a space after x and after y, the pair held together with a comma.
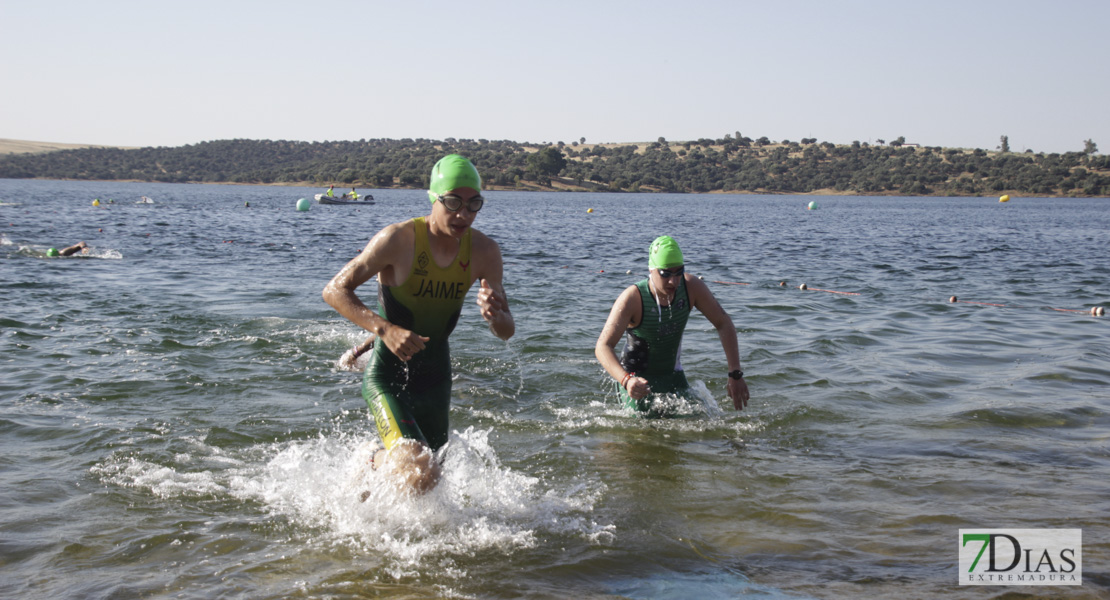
x: 737, y: 374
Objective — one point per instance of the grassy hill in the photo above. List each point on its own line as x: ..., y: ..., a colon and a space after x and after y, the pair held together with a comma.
x: 728, y: 165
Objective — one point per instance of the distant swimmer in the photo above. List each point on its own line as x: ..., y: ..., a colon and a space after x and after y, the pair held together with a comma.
x: 81, y: 247
x: 653, y: 315
x: 425, y: 267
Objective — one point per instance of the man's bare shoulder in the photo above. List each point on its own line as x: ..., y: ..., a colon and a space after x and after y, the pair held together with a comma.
x: 403, y: 228
x: 697, y: 290
x: 627, y: 308
x: 701, y: 297
x: 696, y: 285
x: 477, y: 238
x: 482, y: 245
x: 631, y: 292
x: 393, y: 236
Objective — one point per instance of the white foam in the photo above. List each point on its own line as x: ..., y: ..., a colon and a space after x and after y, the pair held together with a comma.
x: 105, y: 253
x: 162, y: 481
x: 344, y: 363
x: 316, y: 484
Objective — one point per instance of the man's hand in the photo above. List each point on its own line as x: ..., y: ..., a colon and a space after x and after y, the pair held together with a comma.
x: 402, y: 342
x: 492, y: 302
x: 637, y: 387
x: 738, y: 391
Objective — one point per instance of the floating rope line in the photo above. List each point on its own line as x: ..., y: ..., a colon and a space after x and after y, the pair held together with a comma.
x: 806, y: 287
x: 1094, y: 311
x: 829, y: 291
x: 955, y: 300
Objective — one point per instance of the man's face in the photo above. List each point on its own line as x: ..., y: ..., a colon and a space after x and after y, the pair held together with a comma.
x: 457, y: 221
x: 667, y: 279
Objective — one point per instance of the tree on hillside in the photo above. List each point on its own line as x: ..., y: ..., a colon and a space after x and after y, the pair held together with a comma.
x: 545, y: 164
x: 897, y: 143
x: 1089, y: 147
x: 1005, y: 146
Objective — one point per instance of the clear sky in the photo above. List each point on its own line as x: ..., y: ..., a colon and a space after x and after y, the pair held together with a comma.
x: 941, y: 73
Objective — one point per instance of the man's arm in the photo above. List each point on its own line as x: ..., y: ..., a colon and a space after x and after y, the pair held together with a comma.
x: 623, y: 314
x: 489, y: 270
x: 74, y: 249
x: 704, y: 300
x: 379, y: 256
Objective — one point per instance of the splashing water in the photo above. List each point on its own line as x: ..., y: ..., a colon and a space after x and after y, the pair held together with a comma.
x: 317, y: 485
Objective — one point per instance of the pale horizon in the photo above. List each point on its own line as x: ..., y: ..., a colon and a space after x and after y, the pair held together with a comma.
x: 946, y: 74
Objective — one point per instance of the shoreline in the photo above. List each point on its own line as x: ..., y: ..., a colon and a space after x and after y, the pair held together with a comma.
x: 532, y: 187
x: 11, y: 148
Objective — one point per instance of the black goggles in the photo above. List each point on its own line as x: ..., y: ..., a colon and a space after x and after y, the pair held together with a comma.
x: 454, y: 202
x: 668, y: 273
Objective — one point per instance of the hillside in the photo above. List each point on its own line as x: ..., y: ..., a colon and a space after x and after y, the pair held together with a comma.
x: 25, y: 147
x: 730, y: 165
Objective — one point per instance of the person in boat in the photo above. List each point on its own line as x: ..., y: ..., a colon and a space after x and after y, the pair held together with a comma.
x: 331, y: 191
x: 424, y: 266
x: 653, y: 314
x: 81, y: 247
x: 353, y: 195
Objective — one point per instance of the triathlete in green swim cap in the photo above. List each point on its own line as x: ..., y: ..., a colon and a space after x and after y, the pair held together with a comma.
x: 424, y: 266
x: 74, y: 249
x: 653, y: 315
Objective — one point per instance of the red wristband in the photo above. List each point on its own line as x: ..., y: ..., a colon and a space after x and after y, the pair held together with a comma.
x: 624, y: 381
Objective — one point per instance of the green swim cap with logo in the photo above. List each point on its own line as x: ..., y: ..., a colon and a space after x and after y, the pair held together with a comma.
x: 451, y: 173
x: 52, y: 252
x: 664, y: 253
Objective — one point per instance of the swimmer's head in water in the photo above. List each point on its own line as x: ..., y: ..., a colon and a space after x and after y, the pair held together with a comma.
x: 664, y: 253
x: 451, y: 173
x: 52, y: 252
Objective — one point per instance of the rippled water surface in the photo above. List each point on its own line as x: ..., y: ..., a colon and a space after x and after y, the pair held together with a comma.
x: 173, y: 424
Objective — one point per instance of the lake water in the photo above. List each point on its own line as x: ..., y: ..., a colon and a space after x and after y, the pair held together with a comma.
x: 173, y: 424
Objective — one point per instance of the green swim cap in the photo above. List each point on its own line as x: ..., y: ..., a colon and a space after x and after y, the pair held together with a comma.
x: 52, y: 252
x: 664, y: 253
x: 452, y: 172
